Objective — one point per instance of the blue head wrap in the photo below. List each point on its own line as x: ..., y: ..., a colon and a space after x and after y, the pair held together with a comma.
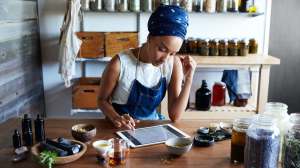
x: 168, y: 20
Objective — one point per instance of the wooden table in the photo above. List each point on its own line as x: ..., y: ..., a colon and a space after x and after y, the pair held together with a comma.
x: 217, y: 156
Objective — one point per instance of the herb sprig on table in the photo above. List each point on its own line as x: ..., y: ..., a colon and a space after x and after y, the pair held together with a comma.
x: 47, y: 158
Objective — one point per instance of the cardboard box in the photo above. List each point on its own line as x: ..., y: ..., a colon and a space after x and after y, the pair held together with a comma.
x: 116, y: 42
x: 92, y: 44
x: 85, y: 93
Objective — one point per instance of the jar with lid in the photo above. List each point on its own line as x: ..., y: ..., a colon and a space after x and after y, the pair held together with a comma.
x: 203, y: 97
x: 278, y: 111
x: 175, y: 2
x: 262, y: 143
x: 233, y: 47
x: 109, y: 5
x: 243, y: 47
x: 85, y: 4
x: 96, y: 5
x: 221, y: 6
x: 199, y: 43
x: 198, y: 5
x: 238, y: 139
x: 223, y: 47
x: 122, y: 5
x: 146, y: 5
x: 192, y: 42
x: 187, y: 5
x: 233, y: 5
x: 184, y: 47
x: 219, y: 94
x: 134, y: 5
x: 213, y: 47
x: 164, y: 2
x: 204, y: 47
x: 291, y: 147
x: 245, y: 5
x: 253, y: 46
x: 210, y: 6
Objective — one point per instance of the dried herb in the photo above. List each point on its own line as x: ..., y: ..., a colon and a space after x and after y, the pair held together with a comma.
x: 292, y: 153
x: 47, y: 158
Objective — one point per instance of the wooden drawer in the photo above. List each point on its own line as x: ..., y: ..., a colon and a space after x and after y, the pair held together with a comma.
x: 118, y: 41
x: 92, y: 44
x: 85, y: 93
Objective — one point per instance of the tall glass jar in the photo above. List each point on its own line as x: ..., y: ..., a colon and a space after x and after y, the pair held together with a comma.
x: 204, y: 48
x: 291, y: 148
x: 233, y: 5
x: 198, y: 5
x: 223, y: 47
x: 221, y: 6
x: 193, y: 47
x: 85, y: 4
x: 213, y: 47
x: 146, y: 5
x: 109, y: 5
x: 238, y: 139
x: 164, y: 2
x: 233, y: 47
x: 122, y: 5
x: 219, y: 94
x: 134, y: 5
x: 278, y: 111
x: 187, y: 5
x: 175, y: 2
x: 262, y: 143
x: 243, y: 47
x: 253, y: 46
x: 210, y: 6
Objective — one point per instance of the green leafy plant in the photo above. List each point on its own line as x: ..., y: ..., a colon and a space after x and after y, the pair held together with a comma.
x: 47, y: 158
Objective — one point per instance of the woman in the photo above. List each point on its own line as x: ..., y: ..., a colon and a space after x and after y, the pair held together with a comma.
x: 135, y: 81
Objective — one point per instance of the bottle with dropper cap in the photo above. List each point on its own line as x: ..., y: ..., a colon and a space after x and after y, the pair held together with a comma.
x: 39, y: 129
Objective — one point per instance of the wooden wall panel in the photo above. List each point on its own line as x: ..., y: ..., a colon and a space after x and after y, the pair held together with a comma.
x: 21, y: 82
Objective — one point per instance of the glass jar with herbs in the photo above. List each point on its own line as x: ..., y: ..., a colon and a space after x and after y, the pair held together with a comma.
x: 134, y: 5
x: 253, y: 46
x: 233, y: 5
x: 187, y: 5
x: 199, y: 43
x: 85, y: 4
x: 122, y: 5
x: 192, y: 42
x: 109, y: 5
x: 233, y: 47
x: 243, y: 47
x: 291, y: 147
x: 184, y: 46
x: 198, y: 5
x: 223, y: 47
x: 146, y: 5
x: 210, y: 6
x: 213, y: 47
x: 262, y: 143
x: 238, y: 139
x: 278, y: 111
x: 221, y: 6
x: 164, y: 2
x: 204, y: 47
x: 175, y: 2
x: 245, y: 5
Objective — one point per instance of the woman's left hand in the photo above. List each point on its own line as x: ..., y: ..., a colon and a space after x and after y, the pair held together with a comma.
x: 188, y: 66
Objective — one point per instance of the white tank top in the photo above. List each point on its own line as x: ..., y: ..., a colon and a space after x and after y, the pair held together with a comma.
x: 147, y: 74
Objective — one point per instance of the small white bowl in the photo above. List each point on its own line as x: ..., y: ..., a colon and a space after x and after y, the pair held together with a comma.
x: 179, y: 146
x: 102, y: 146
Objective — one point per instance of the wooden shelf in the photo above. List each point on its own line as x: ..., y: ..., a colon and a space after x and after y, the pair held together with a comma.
x: 102, y: 59
x: 251, y: 59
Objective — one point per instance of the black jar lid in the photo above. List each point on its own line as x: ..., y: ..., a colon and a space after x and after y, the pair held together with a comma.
x: 203, y: 140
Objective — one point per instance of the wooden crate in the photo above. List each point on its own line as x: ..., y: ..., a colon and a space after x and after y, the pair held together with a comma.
x: 92, y: 44
x: 118, y: 41
x: 85, y: 93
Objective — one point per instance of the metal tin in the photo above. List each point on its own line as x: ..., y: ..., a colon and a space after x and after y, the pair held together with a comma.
x: 85, y: 4
x: 109, y: 5
x: 122, y: 5
x: 96, y: 5
x: 134, y: 5
x: 221, y: 6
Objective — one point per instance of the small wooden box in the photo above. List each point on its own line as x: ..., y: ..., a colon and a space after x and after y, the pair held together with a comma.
x: 85, y: 93
x: 117, y: 41
x: 92, y: 44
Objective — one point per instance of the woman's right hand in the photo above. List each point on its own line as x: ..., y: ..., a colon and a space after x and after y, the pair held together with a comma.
x: 125, y: 121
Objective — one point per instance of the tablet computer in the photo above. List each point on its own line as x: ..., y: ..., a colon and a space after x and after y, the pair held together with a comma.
x: 150, y: 135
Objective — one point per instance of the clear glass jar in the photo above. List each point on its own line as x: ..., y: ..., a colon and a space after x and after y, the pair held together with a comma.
x: 198, y: 5
x: 213, y: 47
x: 134, y: 5
x: 210, y: 6
x: 262, y: 143
x: 238, y: 139
x: 122, y: 5
x: 291, y: 147
x: 204, y: 48
x: 164, y: 2
x: 233, y: 47
x: 243, y: 47
x: 109, y: 5
x: 85, y: 4
x: 278, y: 111
x: 253, y: 46
x: 146, y: 5
x: 223, y: 47
x: 192, y: 42
x: 221, y: 6
x: 219, y: 94
x: 233, y: 5
x: 175, y: 2
x: 96, y: 5
x: 187, y: 5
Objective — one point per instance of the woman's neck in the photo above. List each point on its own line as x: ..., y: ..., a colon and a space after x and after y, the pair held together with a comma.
x: 141, y: 53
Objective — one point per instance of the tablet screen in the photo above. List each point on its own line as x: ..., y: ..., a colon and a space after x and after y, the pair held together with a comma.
x: 151, y: 135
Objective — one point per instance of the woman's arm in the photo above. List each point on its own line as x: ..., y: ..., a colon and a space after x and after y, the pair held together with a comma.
x: 178, y: 95
x: 109, y: 81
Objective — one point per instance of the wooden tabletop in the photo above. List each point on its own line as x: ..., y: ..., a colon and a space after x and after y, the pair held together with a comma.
x: 156, y: 156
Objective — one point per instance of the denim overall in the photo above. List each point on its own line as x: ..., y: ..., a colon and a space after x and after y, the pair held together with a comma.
x: 143, y: 101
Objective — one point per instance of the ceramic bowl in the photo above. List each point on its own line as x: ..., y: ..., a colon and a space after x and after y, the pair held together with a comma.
x: 83, y: 132
x: 102, y: 146
x: 179, y: 146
